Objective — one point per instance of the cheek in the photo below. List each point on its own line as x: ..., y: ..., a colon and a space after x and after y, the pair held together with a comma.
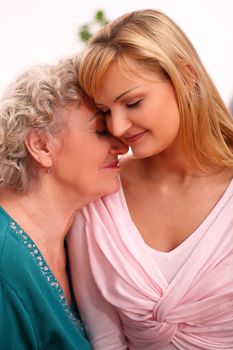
x: 169, y: 124
x: 85, y: 154
x: 96, y: 151
x: 168, y: 111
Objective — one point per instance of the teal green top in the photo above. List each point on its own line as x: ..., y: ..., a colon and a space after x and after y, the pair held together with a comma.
x: 34, y: 313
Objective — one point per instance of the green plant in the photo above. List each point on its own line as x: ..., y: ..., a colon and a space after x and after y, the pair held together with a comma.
x: 87, y: 30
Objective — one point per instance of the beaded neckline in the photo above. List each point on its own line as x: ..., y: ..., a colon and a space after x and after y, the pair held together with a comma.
x: 41, y: 263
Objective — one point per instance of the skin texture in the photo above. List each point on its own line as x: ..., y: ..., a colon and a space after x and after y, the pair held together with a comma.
x: 85, y: 156
x: 168, y: 196
x: 140, y: 109
x: 83, y: 163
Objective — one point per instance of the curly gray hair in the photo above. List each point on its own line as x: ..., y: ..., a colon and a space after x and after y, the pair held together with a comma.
x: 29, y: 104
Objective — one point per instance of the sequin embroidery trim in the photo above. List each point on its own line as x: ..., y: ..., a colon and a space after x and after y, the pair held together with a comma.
x: 38, y: 258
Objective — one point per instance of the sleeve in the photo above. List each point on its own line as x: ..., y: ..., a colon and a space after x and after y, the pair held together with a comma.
x: 100, y: 318
x: 16, y: 326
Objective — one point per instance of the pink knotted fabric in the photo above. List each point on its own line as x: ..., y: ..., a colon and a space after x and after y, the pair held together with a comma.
x: 194, y: 310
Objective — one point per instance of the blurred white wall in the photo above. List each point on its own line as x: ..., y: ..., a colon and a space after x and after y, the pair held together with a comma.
x: 33, y: 31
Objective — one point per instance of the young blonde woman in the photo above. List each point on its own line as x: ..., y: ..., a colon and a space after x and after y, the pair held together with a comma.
x: 159, y: 253
x: 55, y: 157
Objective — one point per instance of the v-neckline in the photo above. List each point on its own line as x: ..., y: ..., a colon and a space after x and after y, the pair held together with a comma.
x: 201, y: 226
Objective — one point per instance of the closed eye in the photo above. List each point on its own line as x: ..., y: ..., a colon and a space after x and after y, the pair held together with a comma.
x: 102, y: 132
x: 133, y: 104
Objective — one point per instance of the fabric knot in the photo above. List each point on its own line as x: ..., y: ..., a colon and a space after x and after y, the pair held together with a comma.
x: 165, y: 330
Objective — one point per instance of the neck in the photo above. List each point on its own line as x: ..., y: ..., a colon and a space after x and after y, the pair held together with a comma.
x: 44, y: 213
x: 175, y: 163
x: 167, y: 166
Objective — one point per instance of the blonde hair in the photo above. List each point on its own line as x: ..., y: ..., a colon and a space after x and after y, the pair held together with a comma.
x: 29, y: 104
x: 159, y: 45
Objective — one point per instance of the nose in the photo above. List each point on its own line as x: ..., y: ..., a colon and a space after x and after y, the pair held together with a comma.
x: 118, y: 147
x: 118, y: 124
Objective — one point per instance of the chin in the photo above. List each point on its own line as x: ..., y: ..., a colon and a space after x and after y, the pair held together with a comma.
x: 111, y: 188
x: 140, y: 154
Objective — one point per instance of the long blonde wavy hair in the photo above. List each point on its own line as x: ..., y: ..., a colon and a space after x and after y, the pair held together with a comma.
x: 159, y: 45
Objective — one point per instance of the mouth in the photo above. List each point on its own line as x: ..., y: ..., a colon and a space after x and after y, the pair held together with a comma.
x: 135, y: 137
x: 113, y: 165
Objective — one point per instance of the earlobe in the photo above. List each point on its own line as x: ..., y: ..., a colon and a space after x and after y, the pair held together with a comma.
x: 37, y: 144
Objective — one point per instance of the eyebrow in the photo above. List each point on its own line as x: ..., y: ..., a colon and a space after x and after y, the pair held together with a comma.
x: 124, y: 93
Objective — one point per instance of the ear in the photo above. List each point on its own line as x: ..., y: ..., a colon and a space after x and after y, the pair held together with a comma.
x: 39, y: 145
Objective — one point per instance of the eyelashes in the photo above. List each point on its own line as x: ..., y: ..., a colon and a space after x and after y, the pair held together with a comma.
x: 102, y: 132
x: 134, y: 104
x: 107, y: 112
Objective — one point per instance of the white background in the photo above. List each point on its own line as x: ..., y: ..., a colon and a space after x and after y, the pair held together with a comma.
x: 34, y: 31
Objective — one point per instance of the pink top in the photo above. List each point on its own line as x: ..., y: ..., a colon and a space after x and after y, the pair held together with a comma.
x: 125, y: 289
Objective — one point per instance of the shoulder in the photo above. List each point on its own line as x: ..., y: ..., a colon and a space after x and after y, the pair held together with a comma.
x: 6, y: 241
x: 16, y: 266
x: 4, y: 226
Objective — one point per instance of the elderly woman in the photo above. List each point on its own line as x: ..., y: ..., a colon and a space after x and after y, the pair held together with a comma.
x: 55, y: 157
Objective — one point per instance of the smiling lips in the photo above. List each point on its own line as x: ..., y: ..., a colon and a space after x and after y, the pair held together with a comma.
x: 113, y: 165
x: 135, y: 137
